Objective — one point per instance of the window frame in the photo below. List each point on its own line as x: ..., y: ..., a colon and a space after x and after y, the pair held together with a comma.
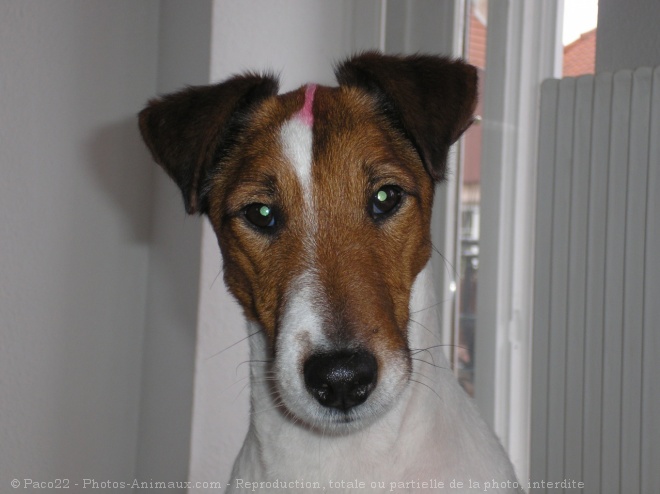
x: 524, y: 48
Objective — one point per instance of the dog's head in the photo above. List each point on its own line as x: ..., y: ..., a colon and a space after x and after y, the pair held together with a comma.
x: 321, y: 200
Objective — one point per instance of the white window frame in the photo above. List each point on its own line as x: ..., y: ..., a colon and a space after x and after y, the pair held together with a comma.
x: 524, y: 48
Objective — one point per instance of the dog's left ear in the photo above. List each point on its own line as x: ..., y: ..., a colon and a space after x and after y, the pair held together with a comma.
x: 432, y: 99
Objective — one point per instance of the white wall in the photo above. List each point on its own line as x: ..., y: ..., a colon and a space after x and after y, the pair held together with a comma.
x: 628, y: 35
x: 74, y: 227
x: 173, y: 295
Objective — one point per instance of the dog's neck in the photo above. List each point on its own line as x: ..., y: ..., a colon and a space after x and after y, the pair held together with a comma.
x: 426, y: 408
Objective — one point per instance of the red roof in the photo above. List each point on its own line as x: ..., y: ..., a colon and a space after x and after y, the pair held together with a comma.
x: 580, y: 55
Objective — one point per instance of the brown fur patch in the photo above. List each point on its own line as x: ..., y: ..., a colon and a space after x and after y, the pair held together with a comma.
x: 366, y: 269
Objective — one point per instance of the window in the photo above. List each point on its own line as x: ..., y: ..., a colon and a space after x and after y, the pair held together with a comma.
x: 496, y: 198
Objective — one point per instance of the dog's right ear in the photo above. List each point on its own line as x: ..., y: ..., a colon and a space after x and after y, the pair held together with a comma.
x: 188, y: 132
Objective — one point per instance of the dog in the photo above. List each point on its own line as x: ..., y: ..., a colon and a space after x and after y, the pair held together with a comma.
x: 321, y: 202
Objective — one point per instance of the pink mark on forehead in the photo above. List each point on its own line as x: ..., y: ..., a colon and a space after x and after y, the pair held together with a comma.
x: 305, y: 114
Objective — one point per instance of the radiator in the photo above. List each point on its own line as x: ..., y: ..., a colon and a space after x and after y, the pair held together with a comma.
x: 596, y: 327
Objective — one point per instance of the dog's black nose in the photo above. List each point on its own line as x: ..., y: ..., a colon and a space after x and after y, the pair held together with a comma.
x: 342, y: 379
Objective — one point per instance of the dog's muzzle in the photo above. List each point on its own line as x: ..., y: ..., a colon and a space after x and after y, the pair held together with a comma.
x: 341, y: 380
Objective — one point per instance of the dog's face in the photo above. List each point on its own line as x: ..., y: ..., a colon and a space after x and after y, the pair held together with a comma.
x: 321, y: 200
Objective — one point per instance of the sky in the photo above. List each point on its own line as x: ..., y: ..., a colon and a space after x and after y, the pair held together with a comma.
x: 580, y: 16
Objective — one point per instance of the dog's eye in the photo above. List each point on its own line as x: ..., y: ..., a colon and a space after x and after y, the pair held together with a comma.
x: 260, y: 215
x: 385, y: 201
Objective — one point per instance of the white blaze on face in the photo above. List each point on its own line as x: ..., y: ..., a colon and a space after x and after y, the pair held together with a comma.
x: 301, y: 327
x: 296, y: 141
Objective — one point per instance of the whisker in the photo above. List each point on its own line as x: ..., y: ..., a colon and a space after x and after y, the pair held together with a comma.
x: 421, y: 374
x: 427, y: 386
x: 253, y: 361
x: 453, y: 272
x: 233, y: 344
x: 241, y: 391
x: 435, y: 335
x: 237, y: 380
x: 216, y: 277
x: 429, y: 307
x: 431, y: 364
x: 414, y: 351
